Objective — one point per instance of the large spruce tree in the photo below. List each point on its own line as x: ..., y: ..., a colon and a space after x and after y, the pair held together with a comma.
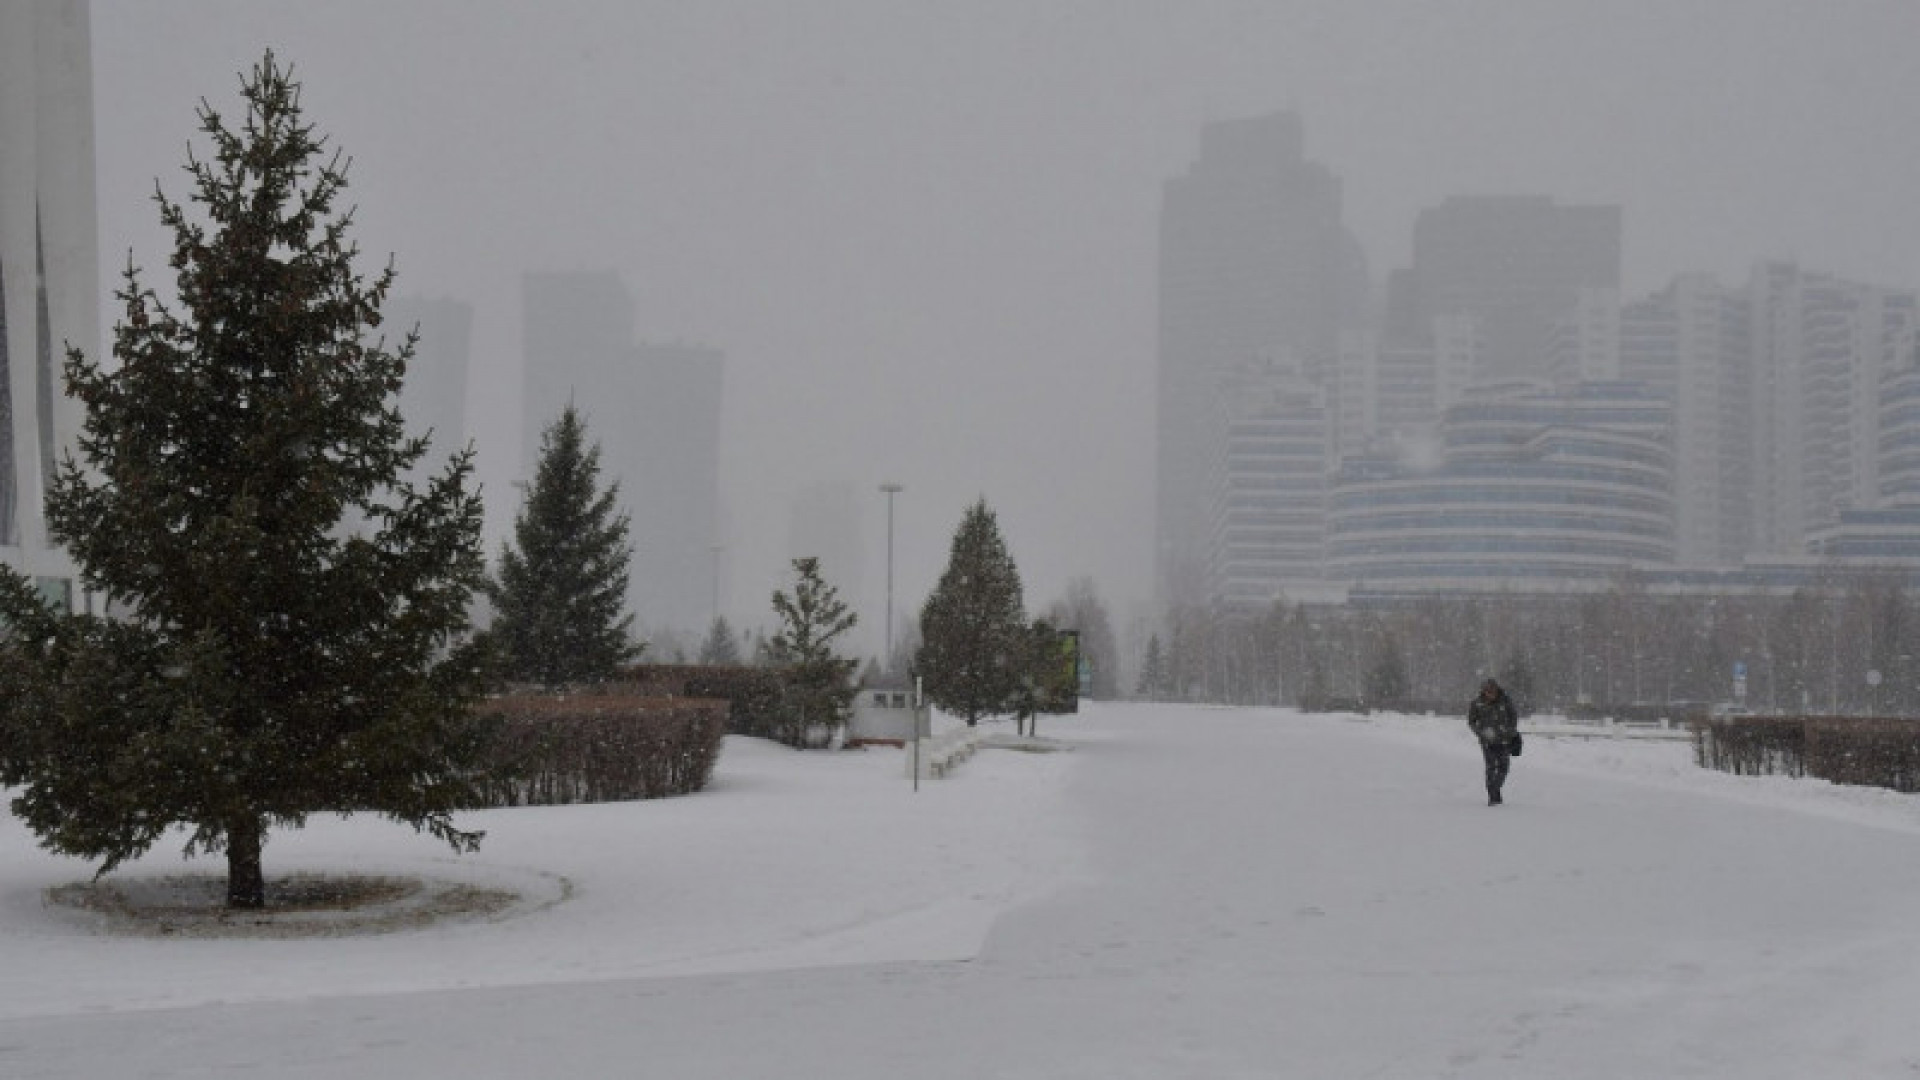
x: 559, y: 597
x: 285, y: 627
x: 973, y: 628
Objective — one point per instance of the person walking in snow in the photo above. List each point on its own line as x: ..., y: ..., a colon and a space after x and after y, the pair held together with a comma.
x: 1497, y: 725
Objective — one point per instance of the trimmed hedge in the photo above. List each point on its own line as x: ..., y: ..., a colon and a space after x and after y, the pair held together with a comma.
x: 599, y: 746
x: 1868, y: 751
x: 756, y: 697
x: 1751, y: 745
x: 1876, y: 752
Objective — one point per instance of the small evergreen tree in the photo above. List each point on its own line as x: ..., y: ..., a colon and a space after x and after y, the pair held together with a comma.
x: 973, y: 625
x: 819, y: 686
x: 1049, y: 677
x: 1083, y: 610
x: 1388, y: 686
x: 1518, y: 681
x: 1183, y: 658
x: 1153, y: 672
x: 559, y: 597
x: 719, y: 649
x: 289, y: 630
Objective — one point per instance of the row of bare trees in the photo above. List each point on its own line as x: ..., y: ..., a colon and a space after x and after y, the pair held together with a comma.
x: 1847, y: 646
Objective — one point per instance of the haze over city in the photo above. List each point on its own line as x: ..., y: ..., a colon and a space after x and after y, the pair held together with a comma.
x: 1463, y: 459
x: 924, y: 236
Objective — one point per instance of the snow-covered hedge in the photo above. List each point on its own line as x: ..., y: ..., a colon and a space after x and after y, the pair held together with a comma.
x: 1867, y: 751
x: 600, y: 747
x: 756, y: 697
x: 1752, y: 745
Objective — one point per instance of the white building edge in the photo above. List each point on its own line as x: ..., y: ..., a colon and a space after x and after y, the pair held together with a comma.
x: 49, y: 274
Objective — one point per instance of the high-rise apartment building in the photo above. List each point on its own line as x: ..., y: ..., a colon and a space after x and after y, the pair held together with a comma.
x: 1255, y: 269
x: 1899, y: 443
x: 1585, y: 345
x: 49, y: 280
x: 1886, y: 535
x: 1776, y: 389
x: 1396, y: 390
x: 1267, y: 518
x: 654, y: 409
x: 1689, y: 341
x: 1517, y: 264
x: 1821, y: 347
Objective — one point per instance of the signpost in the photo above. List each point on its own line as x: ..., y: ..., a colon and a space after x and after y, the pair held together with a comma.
x: 1740, y: 681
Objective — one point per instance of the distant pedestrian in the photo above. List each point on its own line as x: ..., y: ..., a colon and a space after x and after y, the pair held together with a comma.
x: 1497, y: 725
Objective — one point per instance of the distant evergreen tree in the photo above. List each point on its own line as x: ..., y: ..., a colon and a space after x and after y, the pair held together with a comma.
x: 1049, y: 678
x: 1184, y: 656
x: 1388, y: 686
x: 1153, y: 672
x: 288, y: 629
x: 558, y: 597
x: 719, y: 649
x: 1518, y: 681
x: 819, y: 681
x: 1083, y: 610
x: 973, y: 625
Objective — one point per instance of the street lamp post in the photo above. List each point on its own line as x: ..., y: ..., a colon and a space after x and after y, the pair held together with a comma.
x: 890, y: 490
x: 716, y: 550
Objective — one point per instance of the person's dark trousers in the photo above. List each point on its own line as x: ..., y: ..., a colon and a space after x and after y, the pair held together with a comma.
x: 1497, y: 760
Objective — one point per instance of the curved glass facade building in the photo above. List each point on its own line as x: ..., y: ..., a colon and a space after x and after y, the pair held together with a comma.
x: 48, y: 278
x: 1533, y: 488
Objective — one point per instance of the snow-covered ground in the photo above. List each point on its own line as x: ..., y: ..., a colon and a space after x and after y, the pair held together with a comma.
x: 1189, y: 893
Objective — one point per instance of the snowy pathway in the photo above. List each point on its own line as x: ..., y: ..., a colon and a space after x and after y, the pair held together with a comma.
x: 1259, y: 895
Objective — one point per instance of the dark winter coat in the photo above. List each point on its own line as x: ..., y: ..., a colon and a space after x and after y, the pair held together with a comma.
x: 1494, y: 719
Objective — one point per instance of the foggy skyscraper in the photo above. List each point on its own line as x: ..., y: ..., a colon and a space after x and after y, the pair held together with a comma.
x: 1268, y: 511
x: 1516, y: 263
x: 48, y: 262
x: 1255, y: 268
x: 655, y: 411
x: 1821, y: 345
x: 1689, y: 342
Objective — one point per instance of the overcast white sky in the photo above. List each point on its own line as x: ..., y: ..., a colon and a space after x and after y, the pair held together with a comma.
x: 924, y: 234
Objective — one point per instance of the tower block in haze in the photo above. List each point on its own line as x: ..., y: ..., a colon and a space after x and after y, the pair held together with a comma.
x: 1258, y: 277
x: 49, y: 275
x: 655, y: 410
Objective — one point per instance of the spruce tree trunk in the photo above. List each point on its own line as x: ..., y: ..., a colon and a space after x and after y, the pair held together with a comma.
x: 246, y: 883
